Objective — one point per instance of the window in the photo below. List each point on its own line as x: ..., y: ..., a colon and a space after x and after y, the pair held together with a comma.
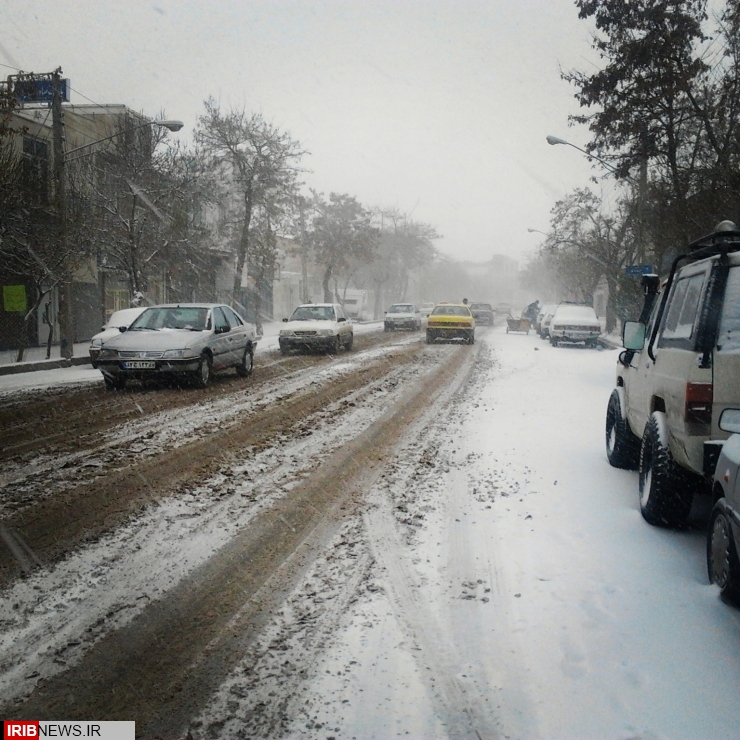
x: 728, y: 339
x: 680, y: 320
x: 219, y: 320
x: 232, y: 317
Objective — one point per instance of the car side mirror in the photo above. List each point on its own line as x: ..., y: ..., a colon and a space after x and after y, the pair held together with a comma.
x: 633, y: 335
x: 122, y: 329
x: 285, y: 321
x: 729, y: 421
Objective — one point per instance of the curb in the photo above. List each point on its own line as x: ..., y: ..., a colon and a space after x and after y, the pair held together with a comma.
x: 29, y: 367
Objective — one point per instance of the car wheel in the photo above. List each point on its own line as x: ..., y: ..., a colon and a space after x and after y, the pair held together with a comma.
x: 553, y: 341
x: 665, y: 496
x: 385, y: 327
x: 723, y: 565
x: 622, y: 446
x: 471, y: 338
x: 114, y: 383
x: 350, y: 342
x: 245, y: 367
x: 430, y: 337
x: 203, y: 374
x: 334, y: 348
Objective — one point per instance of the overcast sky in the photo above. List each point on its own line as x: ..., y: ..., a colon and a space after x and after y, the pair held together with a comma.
x: 438, y: 108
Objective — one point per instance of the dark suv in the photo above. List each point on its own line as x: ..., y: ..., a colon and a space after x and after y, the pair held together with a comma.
x: 680, y: 370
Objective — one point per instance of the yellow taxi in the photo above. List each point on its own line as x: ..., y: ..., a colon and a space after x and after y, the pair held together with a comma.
x: 451, y: 321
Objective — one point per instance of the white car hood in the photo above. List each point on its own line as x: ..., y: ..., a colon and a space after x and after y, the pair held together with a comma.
x: 156, y: 340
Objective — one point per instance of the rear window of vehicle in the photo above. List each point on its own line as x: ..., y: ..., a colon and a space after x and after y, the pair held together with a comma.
x: 451, y: 311
x: 681, y: 316
x: 481, y: 306
x: 575, y: 313
x: 728, y: 339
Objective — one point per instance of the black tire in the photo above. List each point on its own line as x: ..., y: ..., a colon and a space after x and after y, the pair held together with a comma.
x: 283, y: 349
x: 430, y: 337
x: 723, y: 565
x: 114, y: 383
x: 350, y: 342
x: 471, y: 338
x: 385, y: 327
x: 203, y: 374
x: 245, y: 367
x: 335, y: 346
x: 553, y: 341
x: 622, y: 445
x: 665, y: 495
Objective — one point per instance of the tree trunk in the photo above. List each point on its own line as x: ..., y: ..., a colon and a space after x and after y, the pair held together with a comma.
x: 328, y: 298
x: 242, y: 249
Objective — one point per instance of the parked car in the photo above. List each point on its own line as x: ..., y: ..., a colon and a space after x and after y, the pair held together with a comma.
x: 546, y: 319
x: 483, y: 313
x: 112, y: 328
x: 571, y: 323
x: 402, y: 316
x: 317, y: 326
x: 723, y: 533
x: 679, y: 372
x: 426, y: 308
x: 451, y: 321
x: 181, y: 341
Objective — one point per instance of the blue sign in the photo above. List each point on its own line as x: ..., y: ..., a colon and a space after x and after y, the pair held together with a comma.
x: 638, y: 269
x: 40, y: 91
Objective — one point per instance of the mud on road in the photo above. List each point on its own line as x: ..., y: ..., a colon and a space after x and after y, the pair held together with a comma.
x: 158, y: 549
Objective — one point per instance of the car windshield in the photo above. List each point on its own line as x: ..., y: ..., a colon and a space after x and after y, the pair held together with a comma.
x: 451, y: 311
x: 190, y: 318
x: 313, y: 313
x: 401, y: 308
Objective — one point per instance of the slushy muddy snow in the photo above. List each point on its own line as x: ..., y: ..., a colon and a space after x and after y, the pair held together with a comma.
x: 428, y: 543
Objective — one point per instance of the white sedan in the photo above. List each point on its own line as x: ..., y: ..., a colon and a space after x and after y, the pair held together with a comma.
x: 317, y: 326
x: 112, y: 328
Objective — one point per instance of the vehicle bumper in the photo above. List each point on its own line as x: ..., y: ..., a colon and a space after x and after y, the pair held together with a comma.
x: 453, y: 333
x: 575, y: 336
x: 311, y: 342
x: 161, y: 369
x: 401, y: 324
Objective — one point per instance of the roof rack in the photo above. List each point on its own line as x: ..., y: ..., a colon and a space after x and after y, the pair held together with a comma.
x: 725, y: 233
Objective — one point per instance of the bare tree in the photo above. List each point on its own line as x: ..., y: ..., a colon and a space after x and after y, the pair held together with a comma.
x: 258, y: 163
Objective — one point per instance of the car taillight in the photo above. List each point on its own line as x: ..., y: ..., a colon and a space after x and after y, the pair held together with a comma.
x: 698, y: 408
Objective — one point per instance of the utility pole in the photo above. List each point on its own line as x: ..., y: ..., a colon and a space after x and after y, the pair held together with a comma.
x: 66, y: 315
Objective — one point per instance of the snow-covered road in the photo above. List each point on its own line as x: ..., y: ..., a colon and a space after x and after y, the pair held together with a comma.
x: 492, y: 577
x: 532, y: 601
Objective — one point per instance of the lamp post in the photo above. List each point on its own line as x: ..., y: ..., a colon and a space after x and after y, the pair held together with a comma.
x: 553, y: 140
x: 61, y: 158
x: 537, y: 231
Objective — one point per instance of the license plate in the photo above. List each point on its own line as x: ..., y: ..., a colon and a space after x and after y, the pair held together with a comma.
x: 141, y: 365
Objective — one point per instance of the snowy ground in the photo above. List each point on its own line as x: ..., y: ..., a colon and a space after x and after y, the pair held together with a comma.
x: 515, y: 590
x: 498, y: 580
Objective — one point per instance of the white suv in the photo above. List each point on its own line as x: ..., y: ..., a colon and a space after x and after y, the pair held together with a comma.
x: 680, y: 370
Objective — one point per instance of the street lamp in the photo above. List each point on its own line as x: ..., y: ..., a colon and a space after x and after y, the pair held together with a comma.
x: 537, y: 231
x: 170, y: 125
x: 552, y: 140
x: 66, y: 314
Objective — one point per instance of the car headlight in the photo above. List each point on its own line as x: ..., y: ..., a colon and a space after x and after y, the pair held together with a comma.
x: 286, y: 333
x: 96, y: 343
x: 109, y: 354
x: 170, y: 353
x: 325, y: 332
